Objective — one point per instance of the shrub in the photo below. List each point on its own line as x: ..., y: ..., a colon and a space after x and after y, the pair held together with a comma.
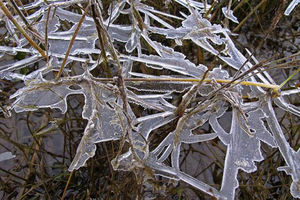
x: 134, y: 63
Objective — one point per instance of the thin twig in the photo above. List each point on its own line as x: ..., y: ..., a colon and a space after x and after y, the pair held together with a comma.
x: 46, y: 33
x: 20, y: 28
x: 258, y: 84
x: 66, y: 187
x: 289, y: 78
x: 13, y: 3
x: 249, y: 15
x: 72, y: 41
x: 101, y: 37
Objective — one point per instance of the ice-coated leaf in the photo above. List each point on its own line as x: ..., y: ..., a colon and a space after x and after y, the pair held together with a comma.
x: 146, y: 36
x: 170, y: 146
x: 154, y: 101
x: 106, y: 120
x: 233, y: 56
x: 105, y: 124
x: 133, y: 41
x: 243, y: 145
x: 157, y: 87
x: 59, y: 40
x: 163, y: 51
x: 116, y: 8
x: 11, y: 29
x: 41, y: 93
x: 150, y: 12
x: 289, y: 92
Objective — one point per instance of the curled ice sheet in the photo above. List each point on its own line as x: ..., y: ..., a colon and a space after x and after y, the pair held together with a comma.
x: 116, y: 8
x: 87, y: 35
x: 229, y: 14
x: 144, y: 126
x: 286, y: 106
x: 170, y: 146
x: 291, y: 7
x: 289, y: 92
x: 179, y: 65
x: 20, y: 64
x: 291, y: 157
x: 6, y: 156
x: 197, y: 5
x: 133, y: 41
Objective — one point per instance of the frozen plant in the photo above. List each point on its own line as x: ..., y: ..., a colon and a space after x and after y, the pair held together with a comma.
x: 121, y: 48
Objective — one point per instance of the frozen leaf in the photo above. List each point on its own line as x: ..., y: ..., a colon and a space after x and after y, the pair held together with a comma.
x: 242, y: 141
x: 233, y: 56
x: 289, y: 92
x: 142, y: 50
x: 163, y: 51
x: 152, y: 101
x: 86, y: 37
x: 116, y: 8
x: 41, y: 94
x: 150, y: 12
x: 59, y: 40
x: 157, y: 87
x: 242, y: 149
x: 170, y: 146
x: 105, y: 124
x: 106, y: 120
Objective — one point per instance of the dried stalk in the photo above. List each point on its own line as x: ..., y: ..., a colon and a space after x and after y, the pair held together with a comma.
x: 72, y: 41
x: 20, y: 28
